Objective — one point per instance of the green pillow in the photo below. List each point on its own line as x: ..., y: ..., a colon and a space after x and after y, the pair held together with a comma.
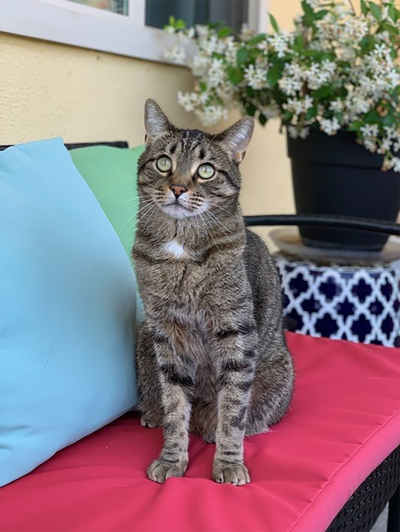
x: 111, y: 173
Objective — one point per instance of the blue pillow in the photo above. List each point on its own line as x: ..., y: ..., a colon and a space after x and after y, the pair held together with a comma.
x: 67, y: 304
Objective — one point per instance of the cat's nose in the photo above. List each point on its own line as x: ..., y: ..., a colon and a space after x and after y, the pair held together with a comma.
x: 178, y: 190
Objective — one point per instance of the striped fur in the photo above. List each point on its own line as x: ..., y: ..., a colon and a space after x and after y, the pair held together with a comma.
x: 211, y: 357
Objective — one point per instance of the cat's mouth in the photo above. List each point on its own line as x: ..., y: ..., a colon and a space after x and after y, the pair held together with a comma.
x: 177, y: 210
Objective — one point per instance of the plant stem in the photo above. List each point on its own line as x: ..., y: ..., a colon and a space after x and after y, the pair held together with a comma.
x: 352, y: 7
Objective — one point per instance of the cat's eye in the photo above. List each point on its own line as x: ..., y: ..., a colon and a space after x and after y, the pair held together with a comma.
x: 164, y: 163
x: 205, y: 171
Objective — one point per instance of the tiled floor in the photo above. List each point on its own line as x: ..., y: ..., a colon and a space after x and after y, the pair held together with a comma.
x: 381, y: 523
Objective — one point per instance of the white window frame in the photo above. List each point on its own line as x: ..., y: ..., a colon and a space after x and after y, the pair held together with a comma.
x: 74, y: 24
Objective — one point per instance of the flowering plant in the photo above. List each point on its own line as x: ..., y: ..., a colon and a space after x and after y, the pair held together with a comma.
x: 337, y: 70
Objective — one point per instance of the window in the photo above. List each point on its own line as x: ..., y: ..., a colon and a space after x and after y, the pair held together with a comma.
x: 125, y: 27
x: 233, y: 12
x: 114, y: 6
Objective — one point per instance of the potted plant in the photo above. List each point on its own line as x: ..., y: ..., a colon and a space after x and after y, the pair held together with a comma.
x: 334, y: 83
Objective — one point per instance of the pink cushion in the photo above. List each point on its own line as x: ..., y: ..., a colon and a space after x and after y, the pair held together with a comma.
x: 344, y: 420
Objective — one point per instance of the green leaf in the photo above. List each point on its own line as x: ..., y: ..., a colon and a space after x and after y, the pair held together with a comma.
x: 259, y: 38
x: 262, y: 119
x: 308, y: 10
x: 224, y: 32
x: 250, y: 108
x: 320, y: 14
x: 367, y: 43
x: 241, y: 56
x: 376, y: 11
x: 202, y: 86
x: 388, y: 120
x: 274, y: 23
x: 287, y: 117
x: 356, y: 125
x: 386, y: 26
x: 250, y: 91
x: 298, y: 44
x: 235, y: 74
x: 215, y: 25
x: 322, y: 92
x: 312, y: 112
x: 364, y: 8
x: 392, y: 13
x: 180, y: 24
x: 273, y: 76
x: 171, y: 21
x: 372, y: 117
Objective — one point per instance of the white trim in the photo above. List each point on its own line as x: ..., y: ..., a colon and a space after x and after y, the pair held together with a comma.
x: 75, y: 24
x: 258, y: 15
x: 78, y: 25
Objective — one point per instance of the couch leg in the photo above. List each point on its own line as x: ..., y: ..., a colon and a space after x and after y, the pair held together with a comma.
x: 394, y: 512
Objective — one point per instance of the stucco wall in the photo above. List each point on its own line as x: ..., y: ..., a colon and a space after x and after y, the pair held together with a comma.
x: 48, y: 89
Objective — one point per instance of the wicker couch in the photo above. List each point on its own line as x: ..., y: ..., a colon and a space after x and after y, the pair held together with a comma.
x: 99, y: 483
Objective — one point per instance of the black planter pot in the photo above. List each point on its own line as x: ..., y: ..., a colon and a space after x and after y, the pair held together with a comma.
x: 335, y: 175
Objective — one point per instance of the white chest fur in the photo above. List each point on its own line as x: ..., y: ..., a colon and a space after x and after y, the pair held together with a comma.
x: 175, y: 249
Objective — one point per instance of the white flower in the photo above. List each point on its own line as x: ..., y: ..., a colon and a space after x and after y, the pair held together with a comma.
x: 304, y: 132
x: 189, y: 100
x: 170, y: 30
x: 329, y: 67
x: 370, y: 145
x: 293, y: 133
x: 202, y: 31
x: 336, y: 106
x: 386, y: 145
x: 370, y: 130
x: 316, y: 77
x: 280, y: 43
x: 211, y: 114
x: 216, y: 73
x: 313, y: 3
x: 200, y: 65
x: 299, y: 106
x: 355, y: 29
x: 396, y: 164
x: 176, y: 54
x: 185, y: 35
x: 329, y: 126
x: 289, y: 85
x: 230, y: 50
x: 255, y: 77
x: 270, y: 111
x: 294, y: 70
x: 246, y: 33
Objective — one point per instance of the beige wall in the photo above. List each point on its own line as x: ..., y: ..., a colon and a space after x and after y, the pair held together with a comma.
x: 48, y: 89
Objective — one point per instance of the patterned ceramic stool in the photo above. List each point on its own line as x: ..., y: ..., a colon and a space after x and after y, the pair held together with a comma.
x: 344, y: 297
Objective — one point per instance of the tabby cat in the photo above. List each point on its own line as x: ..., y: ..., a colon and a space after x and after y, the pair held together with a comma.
x: 211, y: 357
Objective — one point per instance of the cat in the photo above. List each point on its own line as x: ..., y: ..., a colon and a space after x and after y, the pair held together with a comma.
x: 211, y: 357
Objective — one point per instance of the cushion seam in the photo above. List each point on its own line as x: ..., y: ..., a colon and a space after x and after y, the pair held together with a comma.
x: 309, y: 506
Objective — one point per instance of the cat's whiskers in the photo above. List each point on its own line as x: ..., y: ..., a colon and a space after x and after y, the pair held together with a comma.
x: 128, y: 200
x: 130, y: 208
x: 220, y: 224
x: 150, y: 212
x: 208, y: 232
x: 218, y: 206
x: 146, y: 210
x: 140, y: 215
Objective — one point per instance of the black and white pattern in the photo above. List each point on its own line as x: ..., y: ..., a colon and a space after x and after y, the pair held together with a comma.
x: 357, y: 303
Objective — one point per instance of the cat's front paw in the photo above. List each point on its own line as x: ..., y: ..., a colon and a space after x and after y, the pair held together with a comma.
x: 159, y: 470
x: 236, y: 474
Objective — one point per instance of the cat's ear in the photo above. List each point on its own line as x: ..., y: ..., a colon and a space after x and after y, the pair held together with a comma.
x: 237, y: 138
x: 155, y: 121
